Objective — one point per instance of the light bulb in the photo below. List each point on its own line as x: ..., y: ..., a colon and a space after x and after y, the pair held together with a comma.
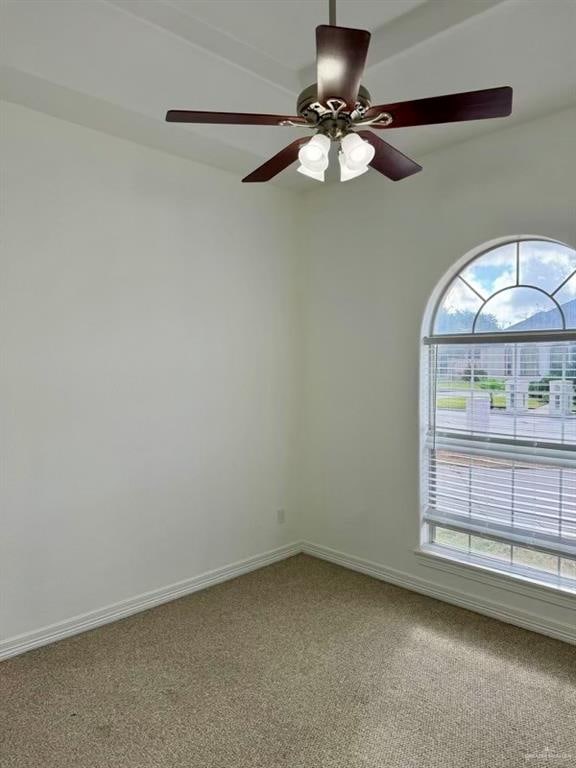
x: 357, y: 152
x: 314, y: 154
x: 318, y: 175
x: 347, y: 173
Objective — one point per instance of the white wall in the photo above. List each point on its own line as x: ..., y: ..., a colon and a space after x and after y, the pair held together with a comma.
x: 376, y: 251
x: 180, y: 359
x: 148, y: 339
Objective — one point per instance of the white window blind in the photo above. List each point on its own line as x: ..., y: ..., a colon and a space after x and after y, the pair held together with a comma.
x: 501, y: 453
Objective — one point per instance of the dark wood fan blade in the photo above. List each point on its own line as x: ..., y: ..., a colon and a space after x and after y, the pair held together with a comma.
x: 229, y: 118
x: 340, y: 58
x: 471, y: 105
x: 278, y: 163
x: 389, y: 160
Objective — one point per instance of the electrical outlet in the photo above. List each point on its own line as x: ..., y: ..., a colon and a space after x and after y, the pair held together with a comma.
x: 281, y: 516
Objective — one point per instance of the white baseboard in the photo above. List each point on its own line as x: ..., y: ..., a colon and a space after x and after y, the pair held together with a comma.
x: 26, y: 642
x: 557, y: 630
x: 30, y: 640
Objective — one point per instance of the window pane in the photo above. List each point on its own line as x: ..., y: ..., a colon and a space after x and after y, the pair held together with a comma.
x: 540, y: 560
x: 545, y: 265
x: 447, y: 538
x: 493, y: 270
x: 566, y: 297
x: 490, y: 548
x: 500, y: 495
x: 509, y: 288
x: 519, y: 309
x: 514, y: 391
x: 458, y: 309
x: 568, y: 568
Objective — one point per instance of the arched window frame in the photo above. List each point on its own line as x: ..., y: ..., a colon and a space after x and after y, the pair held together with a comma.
x: 516, y: 450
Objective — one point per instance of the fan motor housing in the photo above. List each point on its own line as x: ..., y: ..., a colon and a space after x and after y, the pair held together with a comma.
x: 309, y: 97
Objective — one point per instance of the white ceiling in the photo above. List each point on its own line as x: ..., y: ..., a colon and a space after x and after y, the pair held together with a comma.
x: 253, y: 21
x: 118, y: 65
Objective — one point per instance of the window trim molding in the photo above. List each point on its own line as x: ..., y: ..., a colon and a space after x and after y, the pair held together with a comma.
x: 428, y: 555
x: 527, y: 586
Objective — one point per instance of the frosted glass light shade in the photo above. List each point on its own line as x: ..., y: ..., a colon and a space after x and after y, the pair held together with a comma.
x: 314, y: 154
x: 347, y: 173
x: 318, y: 175
x: 357, y: 152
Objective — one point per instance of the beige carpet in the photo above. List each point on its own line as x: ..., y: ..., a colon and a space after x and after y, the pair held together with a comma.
x: 301, y: 665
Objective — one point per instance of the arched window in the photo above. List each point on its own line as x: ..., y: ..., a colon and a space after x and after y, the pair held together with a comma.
x: 500, y: 432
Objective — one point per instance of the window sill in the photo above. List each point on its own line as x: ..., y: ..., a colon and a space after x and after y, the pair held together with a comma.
x: 558, y: 592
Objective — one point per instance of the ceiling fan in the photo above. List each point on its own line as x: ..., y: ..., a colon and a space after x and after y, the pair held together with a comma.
x: 338, y: 108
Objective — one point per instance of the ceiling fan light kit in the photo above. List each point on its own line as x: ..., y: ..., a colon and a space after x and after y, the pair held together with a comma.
x: 338, y: 108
